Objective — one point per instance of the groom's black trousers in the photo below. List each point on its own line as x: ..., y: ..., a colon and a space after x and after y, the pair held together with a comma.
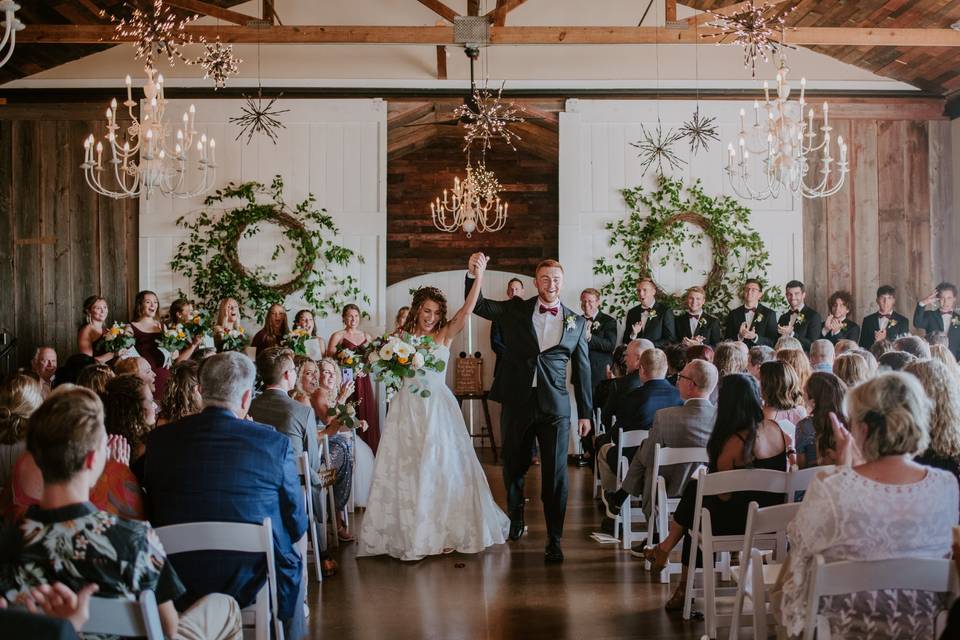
x: 520, y: 426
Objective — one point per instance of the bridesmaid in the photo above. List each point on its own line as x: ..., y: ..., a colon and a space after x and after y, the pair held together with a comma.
x: 838, y: 325
x: 180, y: 312
x: 400, y: 320
x: 95, y: 313
x: 305, y: 320
x: 147, y: 331
x: 228, y: 318
x: 351, y: 337
x: 274, y: 328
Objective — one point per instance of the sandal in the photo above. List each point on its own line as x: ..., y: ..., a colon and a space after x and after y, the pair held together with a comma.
x: 656, y: 557
x: 344, y: 535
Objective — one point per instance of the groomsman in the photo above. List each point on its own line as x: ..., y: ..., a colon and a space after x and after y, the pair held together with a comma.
x: 694, y: 326
x: 838, y: 326
x: 650, y: 319
x: 601, y: 335
x: 800, y: 321
x: 944, y: 318
x: 752, y: 323
x: 514, y: 290
x: 885, y: 324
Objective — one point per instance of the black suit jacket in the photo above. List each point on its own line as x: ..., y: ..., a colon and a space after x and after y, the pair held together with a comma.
x: 709, y: 328
x: 931, y: 321
x: 658, y: 330
x: 617, y: 388
x: 871, y: 324
x: 496, y: 344
x: 806, y: 330
x: 764, y: 323
x: 849, y: 330
x: 522, y: 358
x: 602, y: 342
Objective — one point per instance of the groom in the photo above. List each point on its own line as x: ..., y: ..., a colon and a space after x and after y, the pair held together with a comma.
x: 541, y: 337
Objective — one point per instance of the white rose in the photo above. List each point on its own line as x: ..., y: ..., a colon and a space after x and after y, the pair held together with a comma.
x: 417, y: 360
x: 403, y: 350
x: 386, y: 351
x: 373, y: 357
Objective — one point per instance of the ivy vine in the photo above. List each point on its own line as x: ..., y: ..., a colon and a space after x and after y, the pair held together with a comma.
x: 209, y: 259
x: 658, y: 223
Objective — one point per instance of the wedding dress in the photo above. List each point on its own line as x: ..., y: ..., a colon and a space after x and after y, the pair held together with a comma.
x: 429, y: 492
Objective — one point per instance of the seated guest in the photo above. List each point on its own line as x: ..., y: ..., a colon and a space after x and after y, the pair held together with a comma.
x: 688, y: 425
x: 699, y: 352
x: 138, y: 367
x: 824, y: 395
x: 601, y: 335
x: 19, y: 398
x: 44, y: 364
x: 944, y: 318
x: 883, y: 506
x: 852, y: 368
x: 130, y: 413
x: 782, y: 394
x: 182, y: 396
x: 895, y: 360
x: 822, y: 354
x: 838, y: 326
x: 872, y: 365
x: 943, y: 451
x: 616, y: 370
x: 752, y: 323
x: 800, y: 363
x: 53, y: 612
x: 787, y: 342
x: 728, y: 359
x: 800, y: 321
x: 914, y: 345
x: 67, y: 539
x: 217, y: 467
x: 95, y: 377
x: 275, y: 327
x: 881, y: 347
x: 70, y: 370
x: 620, y: 387
x: 741, y: 439
x: 885, y: 323
x: 676, y: 361
x: 843, y: 346
x: 944, y: 355
x: 650, y: 319
x: 695, y: 326
x: 308, y: 379
x: 756, y: 357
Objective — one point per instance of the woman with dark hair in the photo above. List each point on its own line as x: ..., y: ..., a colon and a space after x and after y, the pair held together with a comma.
x: 182, y: 397
x: 147, y: 332
x: 95, y: 377
x: 741, y: 439
x: 95, y: 313
x: 352, y: 338
x: 306, y: 320
x: 181, y: 310
x: 275, y: 327
x: 824, y: 394
x: 781, y: 387
x: 401, y: 318
x: 838, y: 325
x: 129, y: 411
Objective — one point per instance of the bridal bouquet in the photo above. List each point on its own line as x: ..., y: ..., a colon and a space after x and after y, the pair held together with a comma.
x: 393, y: 359
x: 234, y: 339
x: 116, y: 338
x: 345, y: 414
x: 296, y: 341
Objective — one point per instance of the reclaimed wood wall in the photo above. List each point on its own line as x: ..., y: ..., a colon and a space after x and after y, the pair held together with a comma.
x: 59, y: 241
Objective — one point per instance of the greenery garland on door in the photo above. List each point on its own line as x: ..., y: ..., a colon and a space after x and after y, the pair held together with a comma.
x: 210, y: 260
x: 656, y: 224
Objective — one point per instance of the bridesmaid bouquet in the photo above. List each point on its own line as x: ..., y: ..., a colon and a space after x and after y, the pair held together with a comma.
x: 116, y: 338
x: 198, y: 324
x: 345, y: 414
x: 296, y: 341
x: 350, y: 360
x: 234, y: 340
x: 393, y: 359
x: 173, y: 340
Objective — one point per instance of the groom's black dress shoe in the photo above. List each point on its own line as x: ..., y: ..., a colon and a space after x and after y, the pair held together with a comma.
x: 516, y: 525
x: 553, y: 554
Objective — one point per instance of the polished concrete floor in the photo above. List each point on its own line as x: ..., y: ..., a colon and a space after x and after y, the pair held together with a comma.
x: 599, y: 593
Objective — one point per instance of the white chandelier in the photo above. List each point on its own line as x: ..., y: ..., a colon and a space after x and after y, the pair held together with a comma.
x: 786, y: 143
x: 473, y: 204
x: 11, y: 24
x: 163, y: 164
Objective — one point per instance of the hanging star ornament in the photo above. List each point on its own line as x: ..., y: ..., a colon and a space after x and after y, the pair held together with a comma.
x: 755, y: 28
x: 487, y: 117
x: 656, y: 147
x: 259, y: 116
x: 219, y: 63
x: 160, y: 32
x: 700, y: 131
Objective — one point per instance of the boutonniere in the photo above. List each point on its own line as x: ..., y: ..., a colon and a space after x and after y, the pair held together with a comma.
x: 652, y: 313
x: 955, y: 321
x: 594, y: 326
x: 758, y: 318
x: 891, y: 323
x: 571, y: 323
x: 843, y: 326
x: 800, y: 319
x: 702, y: 322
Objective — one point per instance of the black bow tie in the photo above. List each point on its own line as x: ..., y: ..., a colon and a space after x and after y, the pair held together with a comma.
x: 886, y: 315
x: 697, y: 318
x: 749, y: 310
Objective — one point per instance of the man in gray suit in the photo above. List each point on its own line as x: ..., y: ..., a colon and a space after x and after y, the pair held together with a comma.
x: 688, y: 425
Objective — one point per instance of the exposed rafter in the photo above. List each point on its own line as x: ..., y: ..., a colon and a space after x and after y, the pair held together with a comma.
x: 498, y: 15
x: 730, y: 9
x: 212, y: 10
x: 440, y: 9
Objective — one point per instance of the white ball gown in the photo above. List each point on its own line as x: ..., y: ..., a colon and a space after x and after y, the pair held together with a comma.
x: 429, y: 492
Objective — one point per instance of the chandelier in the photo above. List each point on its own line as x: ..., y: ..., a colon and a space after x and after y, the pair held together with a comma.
x: 11, y: 24
x: 163, y: 164
x: 473, y: 205
x: 787, y: 144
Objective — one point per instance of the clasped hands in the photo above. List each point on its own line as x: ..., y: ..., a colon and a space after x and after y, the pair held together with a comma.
x: 477, y: 264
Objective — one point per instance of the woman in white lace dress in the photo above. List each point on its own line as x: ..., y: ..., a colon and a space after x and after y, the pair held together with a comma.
x: 429, y: 492
x: 884, y: 506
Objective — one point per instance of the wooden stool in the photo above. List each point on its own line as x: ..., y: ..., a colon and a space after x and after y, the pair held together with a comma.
x: 486, y: 431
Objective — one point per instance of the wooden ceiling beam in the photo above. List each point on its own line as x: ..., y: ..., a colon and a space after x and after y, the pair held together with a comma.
x: 212, y: 10
x: 498, y: 15
x: 345, y: 34
x: 707, y: 16
x: 670, y: 10
x: 441, y: 62
x: 440, y: 9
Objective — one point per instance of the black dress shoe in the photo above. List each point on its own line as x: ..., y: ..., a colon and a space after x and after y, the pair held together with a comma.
x: 553, y: 554
x: 517, y: 526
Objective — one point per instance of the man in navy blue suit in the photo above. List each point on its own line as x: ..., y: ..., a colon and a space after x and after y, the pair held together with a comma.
x: 217, y: 467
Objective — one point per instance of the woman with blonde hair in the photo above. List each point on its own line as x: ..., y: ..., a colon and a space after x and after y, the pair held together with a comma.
x: 19, y: 398
x: 943, y: 452
x: 228, y: 319
x: 943, y: 354
x: 852, y: 368
x: 95, y: 313
x: 797, y: 359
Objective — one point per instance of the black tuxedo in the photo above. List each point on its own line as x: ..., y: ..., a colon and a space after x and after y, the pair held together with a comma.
x: 540, y: 412
x: 603, y: 340
x: 708, y: 327
x: 659, y: 328
x: 871, y: 324
x: 849, y: 330
x: 806, y: 330
x: 931, y: 321
x: 764, y: 323
x: 497, y: 346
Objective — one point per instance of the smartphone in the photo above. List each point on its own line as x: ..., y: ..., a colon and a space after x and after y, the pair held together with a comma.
x: 347, y: 375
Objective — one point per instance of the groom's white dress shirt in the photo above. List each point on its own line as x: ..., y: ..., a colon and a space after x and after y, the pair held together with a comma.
x: 549, y: 328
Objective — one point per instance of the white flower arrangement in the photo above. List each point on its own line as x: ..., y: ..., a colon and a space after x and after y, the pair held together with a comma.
x: 571, y: 323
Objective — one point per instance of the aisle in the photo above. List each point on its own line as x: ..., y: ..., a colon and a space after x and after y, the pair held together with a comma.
x: 506, y: 592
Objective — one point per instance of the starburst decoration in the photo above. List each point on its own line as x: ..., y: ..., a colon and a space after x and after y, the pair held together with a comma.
x: 219, y: 63
x: 700, y: 131
x: 160, y: 32
x: 259, y: 116
x: 755, y: 29
x: 656, y: 147
x: 488, y: 118
x: 486, y: 181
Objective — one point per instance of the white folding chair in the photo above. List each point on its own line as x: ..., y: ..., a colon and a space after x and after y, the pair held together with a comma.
x: 629, y: 512
x: 234, y: 536
x: 328, y: 502
x: 126, y: 618
x: 838, y: 578
x: 598, y: 430
x: 754, y: 577
x: 702, y: 538
x: 661, y: 505
x: 306, y: 483
x: 798, y: 480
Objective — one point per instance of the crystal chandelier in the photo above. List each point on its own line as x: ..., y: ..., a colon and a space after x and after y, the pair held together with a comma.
x: 473, y: 204
x: 786, y: 143
x: 163, y: 164
x: 10, y: 27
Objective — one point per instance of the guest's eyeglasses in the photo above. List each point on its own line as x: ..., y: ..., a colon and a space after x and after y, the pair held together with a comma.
x: 687, y: 378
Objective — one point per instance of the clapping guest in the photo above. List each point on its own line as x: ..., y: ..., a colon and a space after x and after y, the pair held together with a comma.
x: 694, y: 325
x: 822, y: 355
x: 800, y: 321
x: 886, y: 323
x: 824, y: 394
x: 351, y: 337
x: 138, y: 367
x: 129, y: 411
x: 274, y: 328
x: 19, y: 398
x: 44, y: 365
x: 94, y: 315
x: 944, y: 318
x: 601, y: 335
x: 147, y: 332
x: 308, y: 322
x: 182, y: 397
x: 228, y: 319
x: 95, y: 377
x: 943, y: 451
x: 181, y: 310
x: 838, y: 326
x: 650, y: 319
x: 752, y: 323
x: 852, y: 368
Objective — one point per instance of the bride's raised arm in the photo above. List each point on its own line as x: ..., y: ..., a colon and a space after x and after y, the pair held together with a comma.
x: 459, y: 320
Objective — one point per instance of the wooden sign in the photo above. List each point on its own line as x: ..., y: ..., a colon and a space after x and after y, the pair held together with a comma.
x: 468, y: 377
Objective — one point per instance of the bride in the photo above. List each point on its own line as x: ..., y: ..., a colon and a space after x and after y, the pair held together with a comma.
x: 429, y: 492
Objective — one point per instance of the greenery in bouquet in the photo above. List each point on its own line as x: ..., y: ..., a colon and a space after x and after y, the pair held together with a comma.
x: 352, y: 360
x: 200, y: 323
x: 393, y: 359
x: 116, y: 338
x: 174, y: 339
x: 345, y: 414
x: 234, y: 340
x: 296, y: 341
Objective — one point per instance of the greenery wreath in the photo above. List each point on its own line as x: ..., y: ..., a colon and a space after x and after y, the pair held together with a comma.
x: 658, y: 222
x: 210, y: 260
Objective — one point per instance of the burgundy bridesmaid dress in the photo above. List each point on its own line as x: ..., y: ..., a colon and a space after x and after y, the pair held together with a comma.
x: 366, y: 404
